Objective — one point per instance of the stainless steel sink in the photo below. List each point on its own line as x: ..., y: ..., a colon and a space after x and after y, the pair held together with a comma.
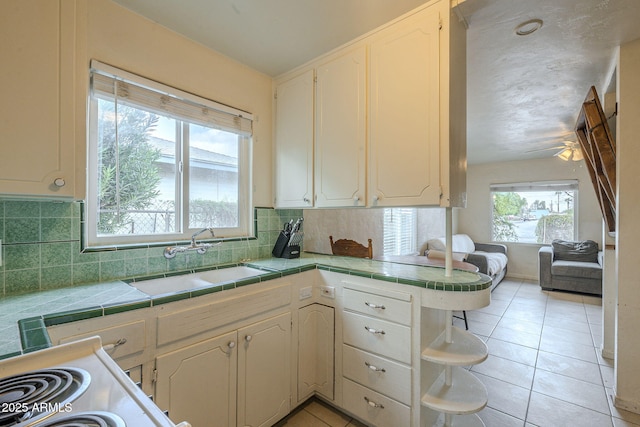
x: 196, y: 280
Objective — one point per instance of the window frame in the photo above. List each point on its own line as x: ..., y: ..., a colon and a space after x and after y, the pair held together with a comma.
x: 535, y: 186
x: 245, y: 227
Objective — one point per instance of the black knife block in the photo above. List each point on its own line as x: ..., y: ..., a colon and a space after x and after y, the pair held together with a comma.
x: 282, y: 249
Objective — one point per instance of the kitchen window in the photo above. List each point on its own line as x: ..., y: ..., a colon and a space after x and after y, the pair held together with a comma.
x: 534, y: 212
x: 163, y: 163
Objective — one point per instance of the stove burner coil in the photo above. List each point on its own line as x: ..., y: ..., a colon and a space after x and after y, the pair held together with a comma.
x: 86, y: 419
x: 31, y: 394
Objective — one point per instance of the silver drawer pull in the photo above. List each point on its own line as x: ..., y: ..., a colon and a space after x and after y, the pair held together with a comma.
x: 375, y: 331
x: 373, y: 404
x: 371, y: 305
x: 374, y: 368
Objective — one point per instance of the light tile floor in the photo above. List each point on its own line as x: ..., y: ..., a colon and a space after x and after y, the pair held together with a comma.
x: 544, y: 367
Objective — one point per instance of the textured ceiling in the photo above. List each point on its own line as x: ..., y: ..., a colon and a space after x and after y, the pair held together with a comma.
x: 524, y: 93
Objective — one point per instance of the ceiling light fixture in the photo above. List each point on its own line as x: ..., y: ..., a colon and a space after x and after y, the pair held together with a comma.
x: 528, y: 27
x: 570, y: 153
x: 565, y: 154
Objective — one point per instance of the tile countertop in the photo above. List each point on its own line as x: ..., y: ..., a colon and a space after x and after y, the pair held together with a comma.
x: 24, y: 318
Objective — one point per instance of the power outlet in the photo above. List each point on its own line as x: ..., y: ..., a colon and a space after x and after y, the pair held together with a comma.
x: 305, y: 293
x: 328, y: 291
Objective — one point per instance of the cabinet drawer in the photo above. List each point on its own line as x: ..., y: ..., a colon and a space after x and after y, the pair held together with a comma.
x: 178, y: 325
x: 377, y: 336
x: 119, y: 341
x: 383, y: 307
x: 377, y: 373
x: 374, y: 408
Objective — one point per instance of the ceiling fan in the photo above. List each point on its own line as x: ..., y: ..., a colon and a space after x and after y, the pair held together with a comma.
x: 568, y: 150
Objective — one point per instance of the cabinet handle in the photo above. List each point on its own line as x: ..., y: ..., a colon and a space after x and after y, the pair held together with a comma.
x: 373, y: 404
x: 248, y: 338
x: 109, y: 347
x: 374, y: 368
x: 59, y: 182
x: 231, y: 344
x: 372, y: 305
x: 374, y: 331
x: 306, y: 200
x: 356, y: 198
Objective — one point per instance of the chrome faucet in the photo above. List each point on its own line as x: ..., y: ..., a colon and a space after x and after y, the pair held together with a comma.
x: 171, y: 251
x: 197, y: 233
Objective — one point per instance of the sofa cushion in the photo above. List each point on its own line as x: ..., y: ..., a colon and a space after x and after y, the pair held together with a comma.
x: 435, y: 254
x: 459, y: 243
x: 585, y: 251
x: 585, y: 270
x: 496, y: 261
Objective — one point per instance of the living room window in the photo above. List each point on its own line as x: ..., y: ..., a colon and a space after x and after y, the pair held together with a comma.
x: 534, y: 212
x: 400, y: 230
x: 163, y: 163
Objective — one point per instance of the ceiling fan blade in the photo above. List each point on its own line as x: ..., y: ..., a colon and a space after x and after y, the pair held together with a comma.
x: 557, y: 147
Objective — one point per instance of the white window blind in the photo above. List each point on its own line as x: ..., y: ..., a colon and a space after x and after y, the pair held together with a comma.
x: 400, y: 229
x: 565, y: 185
x: 136, y: 91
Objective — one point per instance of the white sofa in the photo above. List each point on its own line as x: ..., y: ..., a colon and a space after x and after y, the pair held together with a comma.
x: 490, y: 258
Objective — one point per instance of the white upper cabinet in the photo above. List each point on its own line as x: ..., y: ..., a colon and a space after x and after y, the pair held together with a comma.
x: 294, y: 142
x: 37, y: 108
x: 340, y: 130
x: 404, y: 111
x: 390, y: 118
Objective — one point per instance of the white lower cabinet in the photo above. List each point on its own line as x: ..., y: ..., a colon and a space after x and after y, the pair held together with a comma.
x: 315, y: 351
x: 239, y: 378
x: 264, y: 371
x: 198, y: 383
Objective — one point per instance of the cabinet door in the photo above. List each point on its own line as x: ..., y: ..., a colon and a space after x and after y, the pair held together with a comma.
x: 340, y: 129
x: 315, y: 351
x: 404, y: 106
x: 264, y: 371
x: 294, y: 142
x: 37, y: 112
x: 198, y: 383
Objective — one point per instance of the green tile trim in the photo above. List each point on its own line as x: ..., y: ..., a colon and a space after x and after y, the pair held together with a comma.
x: 170, y: 297
x: 73, y: 315
x: 360, y: 274
x: 127, y: 306
x: 248, y: 281
x: 9, y: 355
x: 385, y: 278
x: 206, y: 290
x: 33, y: 334
x: 340, y: 270
x: 308, y: 267
x: 270, y: 276
x: 290, y: 271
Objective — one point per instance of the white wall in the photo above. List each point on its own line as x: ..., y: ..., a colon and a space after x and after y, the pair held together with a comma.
x: 363, y: 224
x: 116, y: 36
x: 475, y: 219
x: 627, y: 368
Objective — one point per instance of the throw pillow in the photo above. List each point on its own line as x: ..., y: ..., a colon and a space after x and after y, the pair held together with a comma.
x: 584, y: 251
